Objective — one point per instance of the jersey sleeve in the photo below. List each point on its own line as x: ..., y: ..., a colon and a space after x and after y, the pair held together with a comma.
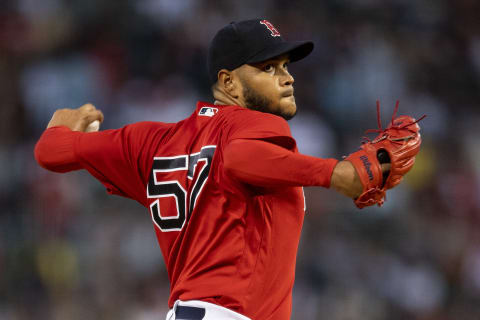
x: 119, y: 158
x: 265, y: 164
x: 248, y: 124
x: 54, y: 150
x: 261, y: 151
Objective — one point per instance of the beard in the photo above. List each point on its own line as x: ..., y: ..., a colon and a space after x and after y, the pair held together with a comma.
x: 259, y: 102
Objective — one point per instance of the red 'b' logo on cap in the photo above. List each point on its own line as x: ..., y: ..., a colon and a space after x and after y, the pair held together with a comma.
x: 273, y: 30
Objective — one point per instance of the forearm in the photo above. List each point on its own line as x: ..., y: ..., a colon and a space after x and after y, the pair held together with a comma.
x: 54, y: 150
x: 265, y: 164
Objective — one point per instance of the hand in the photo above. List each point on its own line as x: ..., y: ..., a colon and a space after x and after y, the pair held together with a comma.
x: 76, y: 119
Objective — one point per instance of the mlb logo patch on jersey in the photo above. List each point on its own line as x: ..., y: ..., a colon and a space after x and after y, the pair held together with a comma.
x: 208, y: 111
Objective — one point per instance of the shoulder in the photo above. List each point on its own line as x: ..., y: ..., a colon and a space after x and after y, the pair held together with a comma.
x: 147, y: 127
x: 139, y: 133
x: 242, y: 119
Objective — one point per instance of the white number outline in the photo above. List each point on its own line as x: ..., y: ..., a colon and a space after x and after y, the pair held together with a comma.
x: 157, y: 212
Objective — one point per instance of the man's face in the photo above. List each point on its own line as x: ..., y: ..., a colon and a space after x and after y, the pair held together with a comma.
x: 268, y: 87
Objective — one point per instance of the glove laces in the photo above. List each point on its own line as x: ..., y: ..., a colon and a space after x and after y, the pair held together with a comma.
x: 392, y: 125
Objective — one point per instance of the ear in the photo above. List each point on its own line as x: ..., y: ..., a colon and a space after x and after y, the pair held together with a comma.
x: 228, y: 82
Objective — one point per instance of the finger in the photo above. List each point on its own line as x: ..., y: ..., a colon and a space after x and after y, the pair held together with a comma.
x: 386, y: 167
x: 100, y: 113
x: 87, y: 107
x: 94, y: 115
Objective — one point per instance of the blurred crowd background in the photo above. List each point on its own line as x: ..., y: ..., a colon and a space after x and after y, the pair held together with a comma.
x: 70, y: 251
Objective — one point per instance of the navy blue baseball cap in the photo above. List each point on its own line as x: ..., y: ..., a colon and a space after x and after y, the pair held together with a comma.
x: 250, y: 41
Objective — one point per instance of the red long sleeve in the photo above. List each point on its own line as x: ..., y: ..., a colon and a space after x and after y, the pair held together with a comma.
x: 266, y: 164
x: 54, y: 150
x: 118, y: 158
x: 252, y: 161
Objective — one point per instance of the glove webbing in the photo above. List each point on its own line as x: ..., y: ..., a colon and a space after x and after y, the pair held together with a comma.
x: 380, y: 128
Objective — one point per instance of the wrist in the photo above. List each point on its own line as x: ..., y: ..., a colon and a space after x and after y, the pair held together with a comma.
x: 345, y: 180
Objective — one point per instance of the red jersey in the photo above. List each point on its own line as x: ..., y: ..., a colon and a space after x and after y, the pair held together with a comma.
x: 228, y: 236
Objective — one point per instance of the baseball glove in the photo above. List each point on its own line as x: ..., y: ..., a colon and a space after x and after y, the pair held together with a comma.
x: 398, y: 145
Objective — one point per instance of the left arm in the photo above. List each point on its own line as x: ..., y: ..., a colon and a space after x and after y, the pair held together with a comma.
x: 263, y: 163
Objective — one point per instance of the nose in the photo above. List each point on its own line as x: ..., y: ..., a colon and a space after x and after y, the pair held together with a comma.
x: 287, y: 79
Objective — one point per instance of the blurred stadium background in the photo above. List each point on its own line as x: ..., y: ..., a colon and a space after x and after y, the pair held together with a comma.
x: 69, y: 251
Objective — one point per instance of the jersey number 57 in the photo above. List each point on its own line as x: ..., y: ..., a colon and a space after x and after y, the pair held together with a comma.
x: 184, y: 188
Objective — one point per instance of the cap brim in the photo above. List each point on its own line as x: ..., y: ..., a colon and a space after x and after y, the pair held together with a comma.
x: 296, y: 50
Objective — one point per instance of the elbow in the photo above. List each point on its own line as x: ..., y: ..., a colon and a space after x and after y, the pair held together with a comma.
x: 229, y: 164
x: 44, y: 155
x: 54, y: 151
x: 41, y: 155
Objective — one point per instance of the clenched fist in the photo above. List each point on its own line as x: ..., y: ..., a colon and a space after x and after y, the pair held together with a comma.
x: 76, y: 119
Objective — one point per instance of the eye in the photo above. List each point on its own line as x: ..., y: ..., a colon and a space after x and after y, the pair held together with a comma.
x: 268, y: 68
x: 285, y: 65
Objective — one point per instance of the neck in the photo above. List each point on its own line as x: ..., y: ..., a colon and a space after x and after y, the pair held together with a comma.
x: 221, y: 98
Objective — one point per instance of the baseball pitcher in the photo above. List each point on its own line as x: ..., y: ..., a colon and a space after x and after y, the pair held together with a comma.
x: 224, y: 186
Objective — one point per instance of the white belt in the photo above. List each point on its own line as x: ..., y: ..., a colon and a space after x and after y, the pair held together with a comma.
x: 211, y: 311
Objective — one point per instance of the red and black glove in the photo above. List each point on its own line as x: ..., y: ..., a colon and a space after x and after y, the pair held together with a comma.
x: 398, y: 145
